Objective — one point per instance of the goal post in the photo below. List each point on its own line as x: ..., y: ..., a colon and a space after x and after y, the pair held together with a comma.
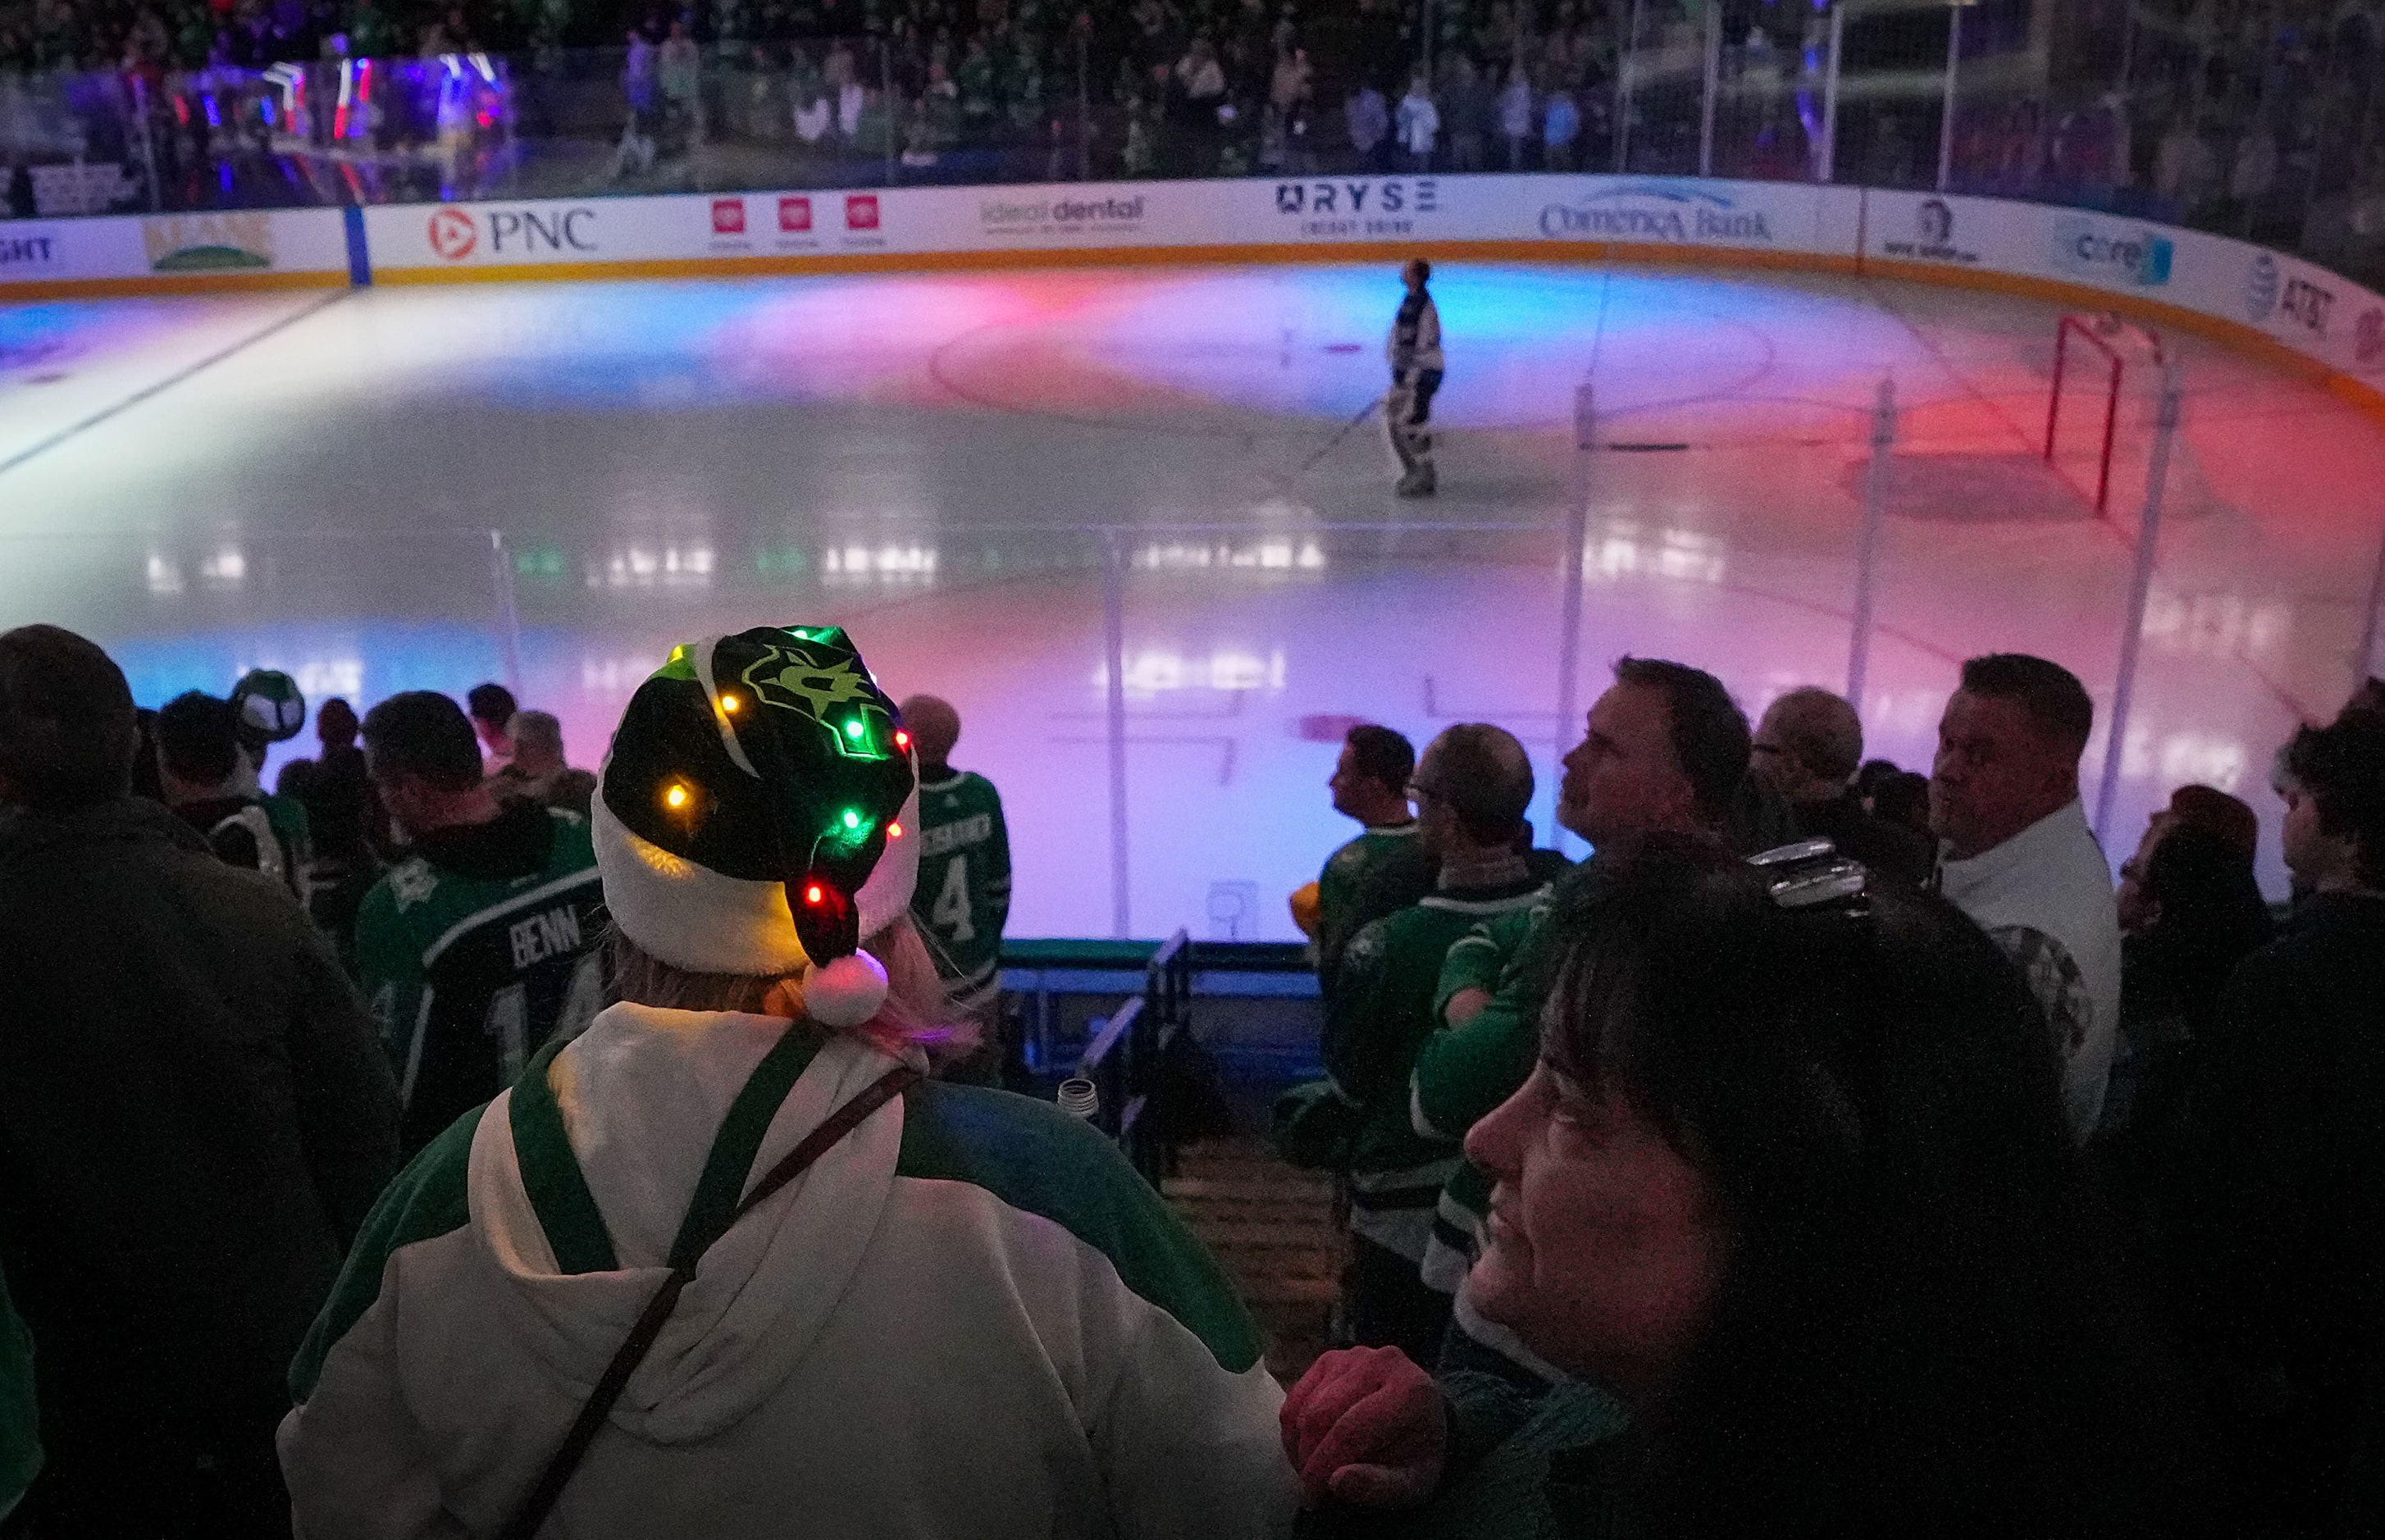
x: 2065, y: 365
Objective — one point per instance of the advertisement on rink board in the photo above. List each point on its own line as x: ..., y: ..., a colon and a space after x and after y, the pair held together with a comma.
x: 120, y: 247
x: 2293, y: 302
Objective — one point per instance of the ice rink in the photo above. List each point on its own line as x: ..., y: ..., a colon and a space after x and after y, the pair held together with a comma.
x: 394, y: 488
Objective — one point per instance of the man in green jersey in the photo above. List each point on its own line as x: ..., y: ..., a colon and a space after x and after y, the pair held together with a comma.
x: 1666, y: 749
x: 963, y: 898
x: 1471, y: 789
x: 1386, y: 868
x: 487, y: 939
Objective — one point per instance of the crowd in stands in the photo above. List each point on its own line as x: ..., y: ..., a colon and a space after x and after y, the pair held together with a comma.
x: 2255, y: 122
x: 453, y: 1141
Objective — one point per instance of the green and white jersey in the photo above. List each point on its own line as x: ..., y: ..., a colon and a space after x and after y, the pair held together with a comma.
x: 471, y: 971
x: 963, y: 899
x: 1382, y: 872
x: 1377, y: 1018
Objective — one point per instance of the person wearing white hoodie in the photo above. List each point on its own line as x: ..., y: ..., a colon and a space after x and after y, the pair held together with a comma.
x: 968, y: 1317
x: 2015, y: 854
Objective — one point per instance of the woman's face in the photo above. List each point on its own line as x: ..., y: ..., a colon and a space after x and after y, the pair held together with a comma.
x: 1604, y: 1247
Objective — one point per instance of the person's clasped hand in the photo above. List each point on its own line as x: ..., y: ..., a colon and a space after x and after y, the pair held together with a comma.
x: 1365, y: 1426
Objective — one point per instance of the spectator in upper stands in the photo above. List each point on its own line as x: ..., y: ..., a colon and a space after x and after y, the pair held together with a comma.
x: 1471, y: 789
x: 1809, y: 746
x: 491, y: 707
x: 1789, y: 1199
x: 484, y: 942
x: 2018, y: 856
x: 2282, y: 1240
x: 1666, y: 750
x: 1386, y: 868
x: 970, y: 1317
x: 1516, y: 116
x: 963, y: 897
x: 535, y: 770
x: 1560, y: 126
x: 195, y: 1114
x: 1419, y: 123
x: 199, y: 770
x: 1368, y: 120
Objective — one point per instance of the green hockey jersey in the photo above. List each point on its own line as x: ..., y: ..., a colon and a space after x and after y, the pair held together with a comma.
x: 471, y: 964
x: 1378, y: 1016
x: 1382, y: 872
x: 963, y: 899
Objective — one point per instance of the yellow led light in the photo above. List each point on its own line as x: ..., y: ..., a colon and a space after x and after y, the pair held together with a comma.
x: 729, y: 702
x: 676, y: 796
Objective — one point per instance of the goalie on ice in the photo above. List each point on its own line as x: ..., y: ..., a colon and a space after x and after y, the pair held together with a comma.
x: 1414, y: 351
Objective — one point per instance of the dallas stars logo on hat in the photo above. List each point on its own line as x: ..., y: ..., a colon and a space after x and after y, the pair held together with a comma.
x: 750, y: 818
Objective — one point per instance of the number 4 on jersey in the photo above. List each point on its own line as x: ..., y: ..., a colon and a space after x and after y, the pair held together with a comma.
x: 951, y: 913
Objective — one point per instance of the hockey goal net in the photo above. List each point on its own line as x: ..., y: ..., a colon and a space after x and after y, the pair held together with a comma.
x: 2091, y: 360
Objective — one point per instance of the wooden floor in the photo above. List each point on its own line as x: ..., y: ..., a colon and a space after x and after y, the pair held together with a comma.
x: 1272, y: 1227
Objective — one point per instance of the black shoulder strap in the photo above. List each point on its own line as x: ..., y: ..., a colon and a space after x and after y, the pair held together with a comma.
x: 641, y: 1340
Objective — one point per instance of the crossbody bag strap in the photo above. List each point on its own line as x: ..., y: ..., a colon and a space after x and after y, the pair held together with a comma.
x: 641, y: 1340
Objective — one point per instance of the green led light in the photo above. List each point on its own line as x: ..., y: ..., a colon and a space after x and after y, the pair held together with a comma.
x: 851, y: 819
x: 853, y: 728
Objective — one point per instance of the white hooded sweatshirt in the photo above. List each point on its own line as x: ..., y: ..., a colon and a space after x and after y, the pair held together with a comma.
x: 971, y: 1319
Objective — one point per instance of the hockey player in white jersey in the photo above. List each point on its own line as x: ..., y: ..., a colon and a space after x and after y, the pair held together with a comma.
x: 1414, y: 353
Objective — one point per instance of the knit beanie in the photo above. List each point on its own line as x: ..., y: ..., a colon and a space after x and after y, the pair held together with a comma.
x: 755, y: 815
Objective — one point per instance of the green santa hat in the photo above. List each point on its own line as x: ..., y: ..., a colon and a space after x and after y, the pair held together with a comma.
x: 756, y: 814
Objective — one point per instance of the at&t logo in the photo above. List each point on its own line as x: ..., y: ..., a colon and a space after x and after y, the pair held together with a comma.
x: 453, y: 234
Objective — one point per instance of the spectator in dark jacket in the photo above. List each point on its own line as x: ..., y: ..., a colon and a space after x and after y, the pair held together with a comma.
x: 194, y: 1117
x: 2282, y: 1241
x: 1809, y: 746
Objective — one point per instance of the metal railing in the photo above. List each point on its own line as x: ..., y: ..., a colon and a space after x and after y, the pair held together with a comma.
x: 1135, y: 1058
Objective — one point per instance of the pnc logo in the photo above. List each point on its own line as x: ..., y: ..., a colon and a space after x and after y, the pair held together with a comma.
x: 728, y: 215
x: 861, y: 211
x: 453, y: 234
x: 795, y: 216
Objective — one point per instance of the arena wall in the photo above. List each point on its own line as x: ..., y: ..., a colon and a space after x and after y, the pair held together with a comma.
x: 2265, y: 301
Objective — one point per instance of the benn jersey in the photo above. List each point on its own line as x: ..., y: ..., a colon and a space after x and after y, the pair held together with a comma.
x: 469, y: 976
x: 963, y: 899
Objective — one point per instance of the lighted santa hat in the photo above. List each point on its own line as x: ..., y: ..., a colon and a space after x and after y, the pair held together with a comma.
x: 755, y: 815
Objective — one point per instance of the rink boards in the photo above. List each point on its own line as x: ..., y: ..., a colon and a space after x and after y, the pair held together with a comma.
x: 2275, y: 303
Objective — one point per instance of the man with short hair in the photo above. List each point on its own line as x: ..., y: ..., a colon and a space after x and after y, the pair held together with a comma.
x: 2019, y: 858
x: 962, y: 894
x: 1471, y: 789
x: 492, y: 708
x: 1666, y: 749
x: 200, y: 770
x: 1808, y: 747
x: 1385, y: 868
x: 195, y: 1116
x: 2283, y: 1242
x: 484, y: 942
x: 536, y: 769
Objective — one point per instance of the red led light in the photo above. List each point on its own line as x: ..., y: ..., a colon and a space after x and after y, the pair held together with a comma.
x: 893, y: 831
x: 902, y: 738
x: 813, y: 894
